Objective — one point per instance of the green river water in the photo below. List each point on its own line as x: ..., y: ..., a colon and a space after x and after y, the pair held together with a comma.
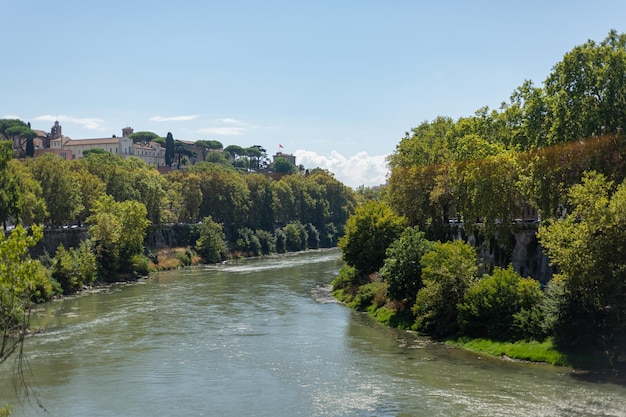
x: 264, y: 338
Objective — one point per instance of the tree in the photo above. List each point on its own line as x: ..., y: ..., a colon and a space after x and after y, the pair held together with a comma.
x: 33, y: 206
x: 369, y: 232
x: 118, y: 230
x: 30, y: 147
x: 182, y: 154
x: 185, y: 196
x: 587, y: 247
x: 217, y: 158
x: 262, y: 159
x: 22, y: 280
x: 587, y: 90
x: 261, y: 213
x: 211, y: 245
x: 10, y: 197
x: 170, y: 150
x: 234, y: 152
x: 74, y: 267
x: 254, y: 155
x: 60, y: 188
x: 283, y: 166
x: 18, y: 132
x: 225, y: 196
x: 402, y: 270
x: 91, y: 189
x: 296, y: 236
x: 208, y: 146
x: 447, y: 272
x: 145, y: 137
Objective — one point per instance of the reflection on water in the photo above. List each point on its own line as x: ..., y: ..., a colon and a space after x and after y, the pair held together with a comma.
x: 263, y: 338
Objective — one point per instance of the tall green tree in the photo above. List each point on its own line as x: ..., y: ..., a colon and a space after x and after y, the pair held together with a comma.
x: 211, y: 245
x: 22, y: 280
x: 170, y: 149
x: 447, y: 272
x: 33, y: 206
x: 10, y: 197
x: 402, y: 270
x: 369, y: 232
x: 587, y: 248
x: 19, y: 133
x: 60, y: 189
x: 587, y: 90
x: 146, y: 137
x: 261, y: 213
x: 118, y: 230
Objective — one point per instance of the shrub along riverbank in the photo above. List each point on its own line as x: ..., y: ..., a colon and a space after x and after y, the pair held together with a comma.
x: 441, y: 289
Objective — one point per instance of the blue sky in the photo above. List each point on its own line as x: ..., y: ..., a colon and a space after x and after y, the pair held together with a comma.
x: 337, y: 83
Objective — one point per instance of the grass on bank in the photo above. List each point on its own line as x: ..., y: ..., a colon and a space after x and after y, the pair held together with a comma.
x: 532, y: 351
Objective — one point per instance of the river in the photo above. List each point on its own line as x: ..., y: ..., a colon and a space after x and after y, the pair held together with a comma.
x: 262, y: 337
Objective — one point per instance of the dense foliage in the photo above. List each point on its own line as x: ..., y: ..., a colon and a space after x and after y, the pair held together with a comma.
x: 22, y: 281
x: 528, y: 152
x: 553, y: 155
x: 369, y: 232
x: 589, y: 293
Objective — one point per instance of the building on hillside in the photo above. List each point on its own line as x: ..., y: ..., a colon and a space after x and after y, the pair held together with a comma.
x: 198, y: 152
x: 288, y: 157
x: 54, y: 142
x: 151, y: 153
x: 76, y: 147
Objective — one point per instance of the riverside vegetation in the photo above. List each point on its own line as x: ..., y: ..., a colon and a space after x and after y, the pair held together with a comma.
x: 558, y: 149
x: 228, y: 212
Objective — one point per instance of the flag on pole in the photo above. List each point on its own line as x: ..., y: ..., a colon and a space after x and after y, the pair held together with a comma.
x: 280, y: 146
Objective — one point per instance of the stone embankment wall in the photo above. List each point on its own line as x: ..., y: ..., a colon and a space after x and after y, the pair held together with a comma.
x: 157, y: 237
x: 520, y: 249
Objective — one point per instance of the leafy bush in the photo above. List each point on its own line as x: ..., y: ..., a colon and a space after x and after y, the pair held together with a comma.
x: 141, y: 265
x: 447, y: 271
x: 367, y: 295
x: 402, y: 270
x: 313, y: 237
x: 296, y: 237
x: 73, y: 268
x: 211, y: 245
x: 329, y: 236
x: 281, y: 241
x: 267, y: 241
x: 248, y: 242
x: 489, y: 308
x: 346, y: 278
x: 369, y: 231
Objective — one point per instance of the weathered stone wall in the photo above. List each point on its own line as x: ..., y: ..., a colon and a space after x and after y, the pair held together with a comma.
x: 52, y: 238
x: 170, y: 236
x: 520, y: 249
x: 157, y: 237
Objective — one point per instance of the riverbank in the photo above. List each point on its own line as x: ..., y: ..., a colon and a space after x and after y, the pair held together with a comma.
x: 540, y: 352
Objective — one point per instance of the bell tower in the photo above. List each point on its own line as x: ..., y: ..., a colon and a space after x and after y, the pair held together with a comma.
x: 55, y: 131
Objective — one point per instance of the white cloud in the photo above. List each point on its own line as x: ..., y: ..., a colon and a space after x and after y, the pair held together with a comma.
x: 230, y: 120
x: 227, y: 126
x: 358, y: 169
x: 222, y: 131
x: 87, y: 123
x: 174, y: 118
